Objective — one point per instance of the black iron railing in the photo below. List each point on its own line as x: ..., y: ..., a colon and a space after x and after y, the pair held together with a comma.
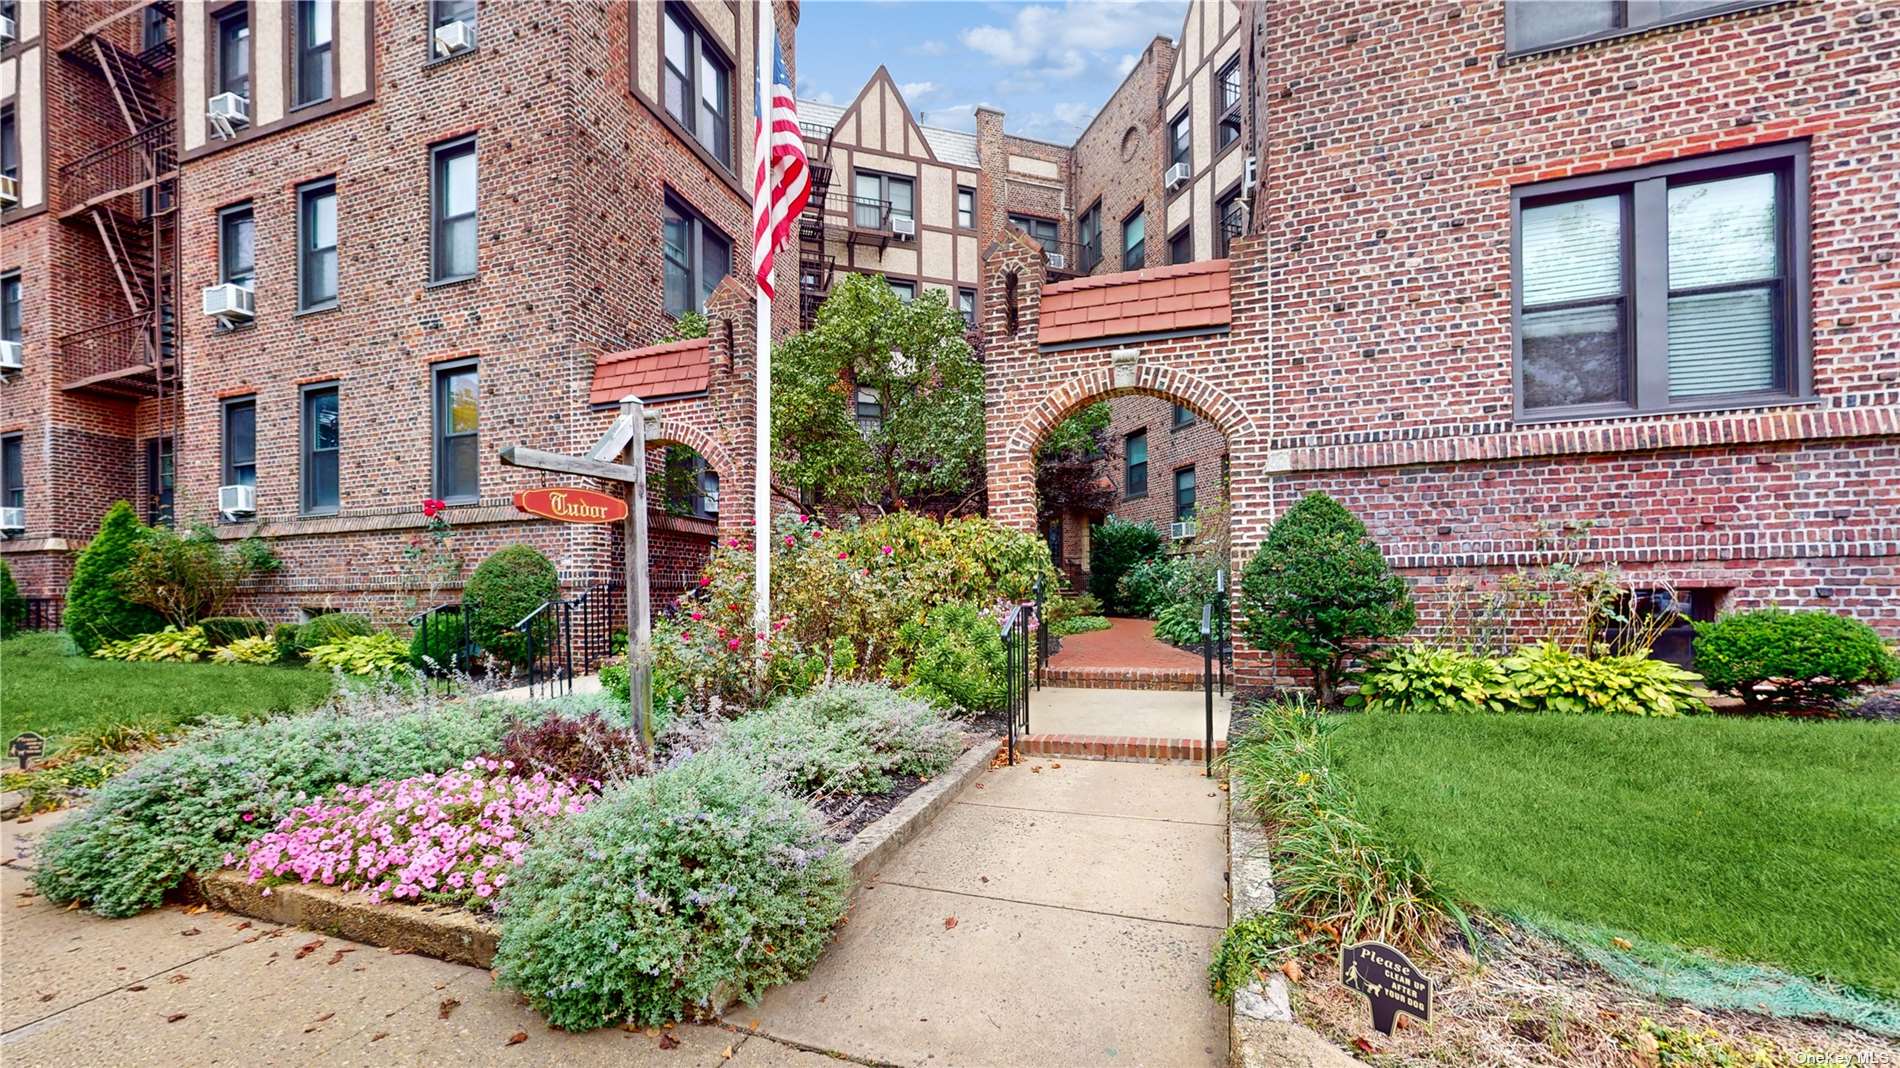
x: 446, y: 645
x: 565, y: 639
x: 45, y: 613
x: 1022, y: 619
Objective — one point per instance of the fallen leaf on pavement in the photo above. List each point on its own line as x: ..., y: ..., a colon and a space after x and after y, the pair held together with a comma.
x: 176, y: 1016
x: 949, y: 922
x: 324, y: 1017
x: 517, y: 1038
x: 179, y: 978
x: 379, y: 1036
x: 1363, y: 1044
x: 309, y: 948
x: 726, y: 1053
x: 136, y: 989
x: 667, y: 1041
x: 189, y: 931
x: 1055, y: 765
x: 448, y: 1006
x: 338, y: 955
x: 49, y: 997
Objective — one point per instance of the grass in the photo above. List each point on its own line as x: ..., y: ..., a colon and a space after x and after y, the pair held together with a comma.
x: 1769, y: 841
x: 46, y: 688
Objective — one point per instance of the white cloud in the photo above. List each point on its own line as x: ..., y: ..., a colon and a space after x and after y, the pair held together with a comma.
x: 1060, y: 42
x: 932, y: 47
x: 1076, y: 115
x: 913, y: 91
x: 1126, y: 64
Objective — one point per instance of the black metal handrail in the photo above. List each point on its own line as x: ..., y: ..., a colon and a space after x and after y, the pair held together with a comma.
x: 445, y: 625
x: 566, y: 638
x: 1017, y: 624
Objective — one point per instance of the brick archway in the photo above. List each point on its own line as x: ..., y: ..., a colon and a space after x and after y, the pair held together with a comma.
x: 677, y: 432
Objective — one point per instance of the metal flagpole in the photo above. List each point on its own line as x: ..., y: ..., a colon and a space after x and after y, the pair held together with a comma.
x: 762, y: 329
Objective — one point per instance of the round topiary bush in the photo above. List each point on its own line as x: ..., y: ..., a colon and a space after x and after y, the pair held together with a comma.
x: 96, y: 609
x: 669, y: 894
x: 1781, y: 661
x: 329, y: 628
x: 512, y: 582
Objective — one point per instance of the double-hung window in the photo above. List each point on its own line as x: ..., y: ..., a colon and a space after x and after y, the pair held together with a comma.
x: 322, y: 440
x: 13, y: 471
x: 161, y: 481
x: 698, y: 85
x: 315, y: 35
x: 1181, y: 246
x: 1135, y: 240
x: 1536, y: 25
x: 966, y: 208
x: 316, y: 245
x: 11, y: 326
x: 869, y: 409
x: 452, y: 234
x: 1184, y: 494
x: 905, y: 290
x: 237, y: 246
x: 1183, y: 417
x: 1681, y: 285
x: 1135, y: 465
x: 878, y: 198
x: 240, y: 441
x: 1088, y: 235
x: 10, y: 145
x: 234, y: 52
x: 1227, y: 127
x: 448, y: 13
x: 457, y: 426
x: 697, y: 257
x: 1043, y: 232
x: 1181, y: 141
x: 966, y: 306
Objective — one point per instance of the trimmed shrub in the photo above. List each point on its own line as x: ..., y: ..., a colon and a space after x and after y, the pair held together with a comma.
x: 187, y: 808
x: 1078, y: 625
x: 960, y: 658
x: 667, y: 892
x: 1804, y: 659
x: 1115, y: 546
x: 583, y: 749
x: 186, y: 577
x: 845, y: 739
x: 247, y: 651
x: 1550, y: 678
x: 1320, y: 590
x: 1151, y: 585
x: 284, y: 637
x: 329, y: 628
x: 361, y: 654
x: 1073, y: 606
x: 223, y: 630
x: 96, y: 607
x: 514, y: 581
x: 1423, y: 678
x: 168, y: 644
x: 12, y: 605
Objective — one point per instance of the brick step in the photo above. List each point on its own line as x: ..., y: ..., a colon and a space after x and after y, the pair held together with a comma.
x: 1102, y: 678
x: 1117, y: 747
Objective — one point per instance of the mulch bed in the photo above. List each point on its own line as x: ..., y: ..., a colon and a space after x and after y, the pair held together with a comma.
x: 847, y: 814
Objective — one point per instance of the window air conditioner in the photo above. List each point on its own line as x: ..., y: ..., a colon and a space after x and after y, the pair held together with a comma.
x: 10, y: 359
x: 1057, y: 261
x: 1250, y: 175
x: 453, y: 37
x: 12, y: 520
x: 9, y: 191
x: 9, y: 30
x: 903, y: 226
x: 1177, y: 176
x: 1182, y: 530
x: 237, y: 500
x: 230, y: 303
x: 227, y: 112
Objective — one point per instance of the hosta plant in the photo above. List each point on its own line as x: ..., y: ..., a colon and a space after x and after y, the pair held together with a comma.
x: 247, y: 651
x: 1550, y: 678
x: 168, y: 644
x: 1424, y: 678
x: 453, y: 837
x: 361, y: 654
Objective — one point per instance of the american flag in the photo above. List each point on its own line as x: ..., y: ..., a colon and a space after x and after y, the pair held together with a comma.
x: 782, y: 183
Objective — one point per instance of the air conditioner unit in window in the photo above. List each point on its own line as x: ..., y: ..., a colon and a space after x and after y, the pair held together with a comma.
x: 1057, y: 261
x: 10, y: 358
x: 1177, y: 176
x: 1250, y: 175
x: 12, y: 520
x: 230, y: 303
x: 453, y: 37
x: 237, y: 500
x: 903, y: 226
x: 9, y: 30
x: 1182, y: 530
x: 9, y: 191
x: 227, y: 112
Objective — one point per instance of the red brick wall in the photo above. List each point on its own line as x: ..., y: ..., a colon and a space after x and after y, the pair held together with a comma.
x: 1198, y: 444
x: 1124, y: 172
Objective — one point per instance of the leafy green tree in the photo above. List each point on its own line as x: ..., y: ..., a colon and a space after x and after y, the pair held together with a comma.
x: 97, y: 610
x: 1115, y: 547
x: 1072, y: 465
x: 12, y: 605
x: 924, y: 441
x: 187, y: 577
x: 1320, y: 590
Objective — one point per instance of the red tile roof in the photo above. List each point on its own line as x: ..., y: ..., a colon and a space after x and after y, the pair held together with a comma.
x: 1185, y: 296
x: 668, y: 370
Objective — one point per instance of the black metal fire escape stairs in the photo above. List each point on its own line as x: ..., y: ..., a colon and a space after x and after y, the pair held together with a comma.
x: 814, y: 264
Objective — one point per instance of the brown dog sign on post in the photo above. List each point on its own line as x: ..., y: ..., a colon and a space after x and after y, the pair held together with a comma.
x: 1390, y: 980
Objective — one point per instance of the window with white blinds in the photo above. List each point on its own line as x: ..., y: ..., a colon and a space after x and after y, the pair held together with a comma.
x: 1668, y: 287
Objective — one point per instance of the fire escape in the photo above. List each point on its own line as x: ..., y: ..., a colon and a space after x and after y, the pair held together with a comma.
x: 814, y: 265
x: 126, y: 194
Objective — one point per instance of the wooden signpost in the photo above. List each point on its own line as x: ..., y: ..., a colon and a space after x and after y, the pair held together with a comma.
x: 618, y: 457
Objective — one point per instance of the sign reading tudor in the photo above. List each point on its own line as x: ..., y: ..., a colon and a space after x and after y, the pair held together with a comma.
x: 572, y: 504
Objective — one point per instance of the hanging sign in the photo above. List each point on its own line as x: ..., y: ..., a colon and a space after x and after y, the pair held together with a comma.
x: 1390, y: 980
x: 572, y: 504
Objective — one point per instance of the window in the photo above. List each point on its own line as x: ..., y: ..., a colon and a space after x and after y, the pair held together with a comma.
x: 1675, y: 286
x: 457, y: 420
x: 1088, y: 234
x: 1180, y: 141
x: 321, y: 440
x: 234, y: 52
x: 156, y: 27
x: 697, y: 257
x: 447, y: 13
x: 1135, y: 465
x: 1227, y: 131
x: 13, y: 471
x: 692, y: 486
x: 1533, y: 25
x: 10, y: 324
x: 1182, y: 417
x: 698, y: 86
x: 1181, y: 246
x: 966, y: 207
x: 316, y: 245
x: 906, y: 290
x: 1232, y: 215
x: 1184, y: 494
x: 1135, y: 240
x: 160, y: 481
x: 312, y: 56
x: 240, y: 442
x: 452, y: 234
x: 869, y: 410
x: 237, y: 246
x: 966, y: 304
x: 877, y: 197
x: 9, y: 143
x: 1682, y: 610
x: 1043, y: 232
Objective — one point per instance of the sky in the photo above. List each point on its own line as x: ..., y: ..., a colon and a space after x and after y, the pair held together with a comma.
x: 1048, y: 66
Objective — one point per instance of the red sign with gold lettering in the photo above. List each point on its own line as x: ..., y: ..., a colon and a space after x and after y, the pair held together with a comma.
x: 572, y: 504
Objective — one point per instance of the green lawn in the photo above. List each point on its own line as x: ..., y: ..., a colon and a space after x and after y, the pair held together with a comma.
x: 61, y: 696
x: 1769, y: 841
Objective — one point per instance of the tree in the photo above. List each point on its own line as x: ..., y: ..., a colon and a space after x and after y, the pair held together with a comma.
x: 1072, y: 465
x: 188, y: 577
x: 1320, y: 590
x: 97, y: 610
x: 917, y: 437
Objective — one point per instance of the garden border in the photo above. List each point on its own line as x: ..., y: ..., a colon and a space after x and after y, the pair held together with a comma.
x: 459, y: 937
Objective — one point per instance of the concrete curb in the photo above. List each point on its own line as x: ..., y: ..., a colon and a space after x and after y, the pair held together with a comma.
x: 457, y: 936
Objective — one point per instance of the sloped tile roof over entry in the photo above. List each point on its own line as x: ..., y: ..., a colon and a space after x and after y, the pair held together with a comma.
x: 674, y: 369
x: 1183, y: 297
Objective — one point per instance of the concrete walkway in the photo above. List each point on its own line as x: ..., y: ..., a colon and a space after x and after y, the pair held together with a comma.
x: 1142, y: 713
